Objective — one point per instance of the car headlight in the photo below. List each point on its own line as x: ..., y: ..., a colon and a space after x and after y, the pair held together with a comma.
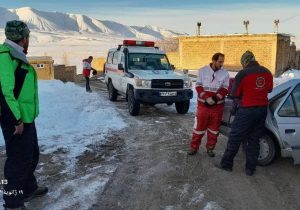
x: 187, y: 83
x: 146, y: 83
x: 143, y: 83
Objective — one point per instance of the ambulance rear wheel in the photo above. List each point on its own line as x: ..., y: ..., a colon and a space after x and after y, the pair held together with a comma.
x: 182, y: 107
x: 112, y: 92
x: 133, y: 105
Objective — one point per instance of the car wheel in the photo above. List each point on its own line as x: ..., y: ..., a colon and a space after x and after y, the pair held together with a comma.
x: 267, y: 150
x: 112, y: 92
x: 182, y: 107
x: 133, y: 105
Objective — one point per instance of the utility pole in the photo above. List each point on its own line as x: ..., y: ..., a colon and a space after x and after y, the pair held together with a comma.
x: 198, y: 28
x: 246, y: 23
x: 276, y: 25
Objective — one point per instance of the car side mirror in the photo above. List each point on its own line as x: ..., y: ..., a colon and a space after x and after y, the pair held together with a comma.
x: 120, y: 66
x: 172, y: 67
x: 185, y: 71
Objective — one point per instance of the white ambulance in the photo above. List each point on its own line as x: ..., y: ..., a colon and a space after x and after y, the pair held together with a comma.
x: 142, y: 73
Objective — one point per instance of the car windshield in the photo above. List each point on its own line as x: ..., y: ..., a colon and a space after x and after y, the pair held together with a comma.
x: 146, y: 61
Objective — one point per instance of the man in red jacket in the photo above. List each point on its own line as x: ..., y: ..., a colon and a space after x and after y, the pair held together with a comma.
x: 212, y: 87
x: 251, y: 86
x: 87, y: 67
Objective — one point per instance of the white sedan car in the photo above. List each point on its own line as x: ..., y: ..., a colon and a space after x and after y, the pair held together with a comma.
x: 282, y: 127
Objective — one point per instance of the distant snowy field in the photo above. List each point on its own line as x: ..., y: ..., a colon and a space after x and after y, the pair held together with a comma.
x: 69, y: 38
x: 69, y: 48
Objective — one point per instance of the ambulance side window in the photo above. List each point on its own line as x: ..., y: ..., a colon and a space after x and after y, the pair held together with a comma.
x: 122, y: 59
x: 115, y: 58
x: 109, y: 57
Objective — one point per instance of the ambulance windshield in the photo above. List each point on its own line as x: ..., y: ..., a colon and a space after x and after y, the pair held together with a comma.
x: 147, y: 61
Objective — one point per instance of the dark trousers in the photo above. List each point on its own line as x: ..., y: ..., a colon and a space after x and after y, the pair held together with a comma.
x: 22, y: 153
x: 247, y: 127
x: 87, y: 84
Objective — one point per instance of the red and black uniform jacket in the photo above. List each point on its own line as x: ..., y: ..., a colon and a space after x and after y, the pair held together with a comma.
x: 252, y: 85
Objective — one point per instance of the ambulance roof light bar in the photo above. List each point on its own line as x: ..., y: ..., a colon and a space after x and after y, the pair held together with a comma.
x: 138, y: 43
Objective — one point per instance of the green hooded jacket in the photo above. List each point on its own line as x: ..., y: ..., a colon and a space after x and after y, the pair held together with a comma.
x: 24, y: 106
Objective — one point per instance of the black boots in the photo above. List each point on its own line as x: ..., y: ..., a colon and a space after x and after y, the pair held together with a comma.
x: 210, y: 153
x: 39, y: 192
x: 192, y: 152
x: 219, y: 166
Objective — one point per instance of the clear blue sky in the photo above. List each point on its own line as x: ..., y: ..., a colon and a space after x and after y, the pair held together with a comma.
x: 217, y: 17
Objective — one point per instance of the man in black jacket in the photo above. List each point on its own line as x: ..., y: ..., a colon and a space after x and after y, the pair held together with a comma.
x: 251, y: 86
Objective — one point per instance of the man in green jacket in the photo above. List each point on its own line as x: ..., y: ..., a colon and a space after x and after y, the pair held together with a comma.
x: 19, y: 108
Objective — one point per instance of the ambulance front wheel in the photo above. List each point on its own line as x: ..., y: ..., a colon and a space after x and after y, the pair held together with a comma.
x: 133, y: 104
x: 112, y: 92
x: 182, y: 107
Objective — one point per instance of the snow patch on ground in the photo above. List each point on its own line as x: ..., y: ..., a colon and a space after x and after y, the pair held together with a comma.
x: 212, y: 206
x: 79, y: 193
x: 170, y: 208
x: 197, y: 198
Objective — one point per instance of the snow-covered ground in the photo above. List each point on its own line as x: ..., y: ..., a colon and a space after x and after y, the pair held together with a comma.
x: 70, y: 122
x: 70, y: 119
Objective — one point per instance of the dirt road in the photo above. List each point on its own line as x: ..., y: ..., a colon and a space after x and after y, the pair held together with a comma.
x: 155, y: 172
x: 152, y: 171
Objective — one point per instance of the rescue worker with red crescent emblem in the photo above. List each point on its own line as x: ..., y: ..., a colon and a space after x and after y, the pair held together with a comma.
x: 212, y: 87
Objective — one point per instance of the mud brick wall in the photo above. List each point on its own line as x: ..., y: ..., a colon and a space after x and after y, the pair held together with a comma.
x: 98, y: 64
x: 65, y: 73
x: 196, y: 51
x: 174, y: 59
x: 45, y: 73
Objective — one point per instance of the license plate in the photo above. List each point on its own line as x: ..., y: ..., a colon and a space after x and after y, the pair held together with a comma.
x: 174, y: 93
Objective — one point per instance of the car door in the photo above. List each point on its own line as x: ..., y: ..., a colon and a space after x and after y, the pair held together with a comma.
x: 287, y: 116
x: 119, y: 74
x: 124, y: 78
x: 110, y: 70
x: 227, y: 117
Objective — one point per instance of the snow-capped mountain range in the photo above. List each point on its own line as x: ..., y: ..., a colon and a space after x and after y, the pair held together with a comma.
x: 63, y: 22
